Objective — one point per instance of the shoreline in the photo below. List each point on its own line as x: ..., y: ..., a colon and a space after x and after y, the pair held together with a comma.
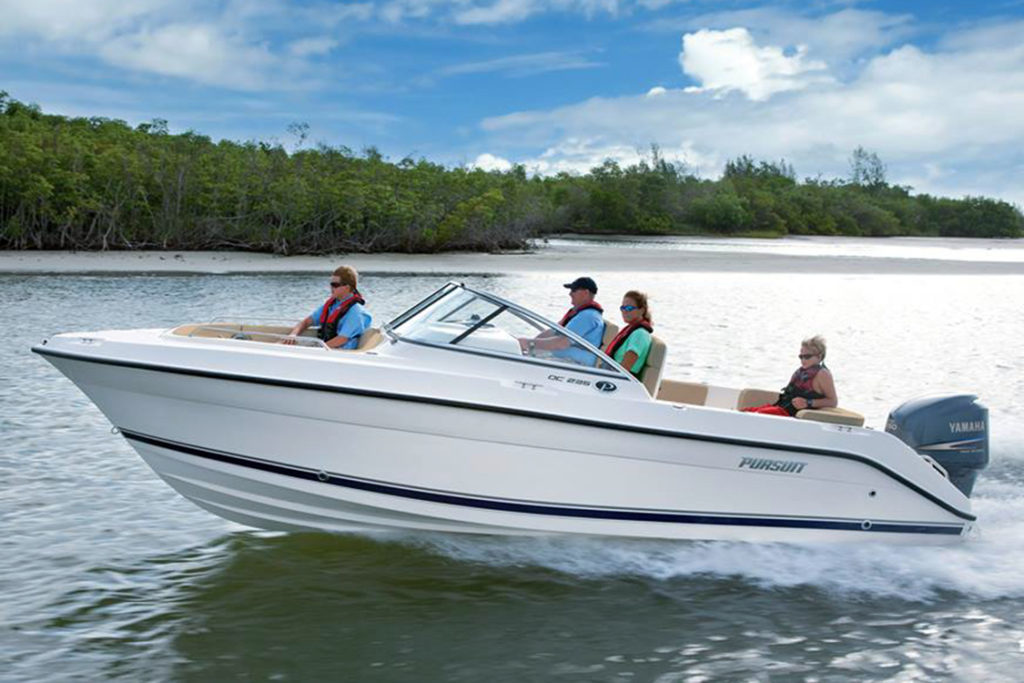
x: 563, y: 256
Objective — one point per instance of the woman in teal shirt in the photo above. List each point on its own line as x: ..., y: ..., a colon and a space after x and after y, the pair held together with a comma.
x: 631, y: 345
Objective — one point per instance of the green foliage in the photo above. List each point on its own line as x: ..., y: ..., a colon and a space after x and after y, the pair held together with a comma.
x: 867, y: 169
x: 972, y: 217
x: 723, y: 212
x: 97, y: 183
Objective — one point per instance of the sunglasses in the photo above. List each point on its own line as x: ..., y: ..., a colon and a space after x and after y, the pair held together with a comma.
x: 335, y: 285
x: 805, y: 356
x: 627, y: 309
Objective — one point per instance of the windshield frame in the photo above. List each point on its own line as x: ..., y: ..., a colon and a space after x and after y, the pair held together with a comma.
x: 615, y: 370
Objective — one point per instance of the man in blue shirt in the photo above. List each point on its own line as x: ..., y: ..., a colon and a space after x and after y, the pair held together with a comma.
x: 584, y: 319
x: 342, y: 318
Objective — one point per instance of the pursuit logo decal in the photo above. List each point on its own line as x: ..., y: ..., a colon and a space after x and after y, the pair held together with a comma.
x: 768, y: 465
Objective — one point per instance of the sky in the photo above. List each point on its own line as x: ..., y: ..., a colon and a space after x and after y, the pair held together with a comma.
x: 935, y: 89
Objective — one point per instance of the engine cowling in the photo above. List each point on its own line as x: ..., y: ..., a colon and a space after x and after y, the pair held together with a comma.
x: 952, y: 429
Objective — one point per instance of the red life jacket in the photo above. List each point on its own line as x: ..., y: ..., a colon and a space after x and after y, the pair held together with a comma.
x: 329, y: 321
x: 800, y: 384
x: 623, y: 335
x: 571, y: 313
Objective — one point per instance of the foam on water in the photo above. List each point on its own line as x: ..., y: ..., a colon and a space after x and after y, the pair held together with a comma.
x: 987, y: 565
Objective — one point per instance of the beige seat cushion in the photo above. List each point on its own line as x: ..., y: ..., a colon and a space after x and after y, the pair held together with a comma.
x: 759, y: 397
x: 610, y: 330
x: 369, y: 339
x: 839, y: 416
x: 651, y: 373
x: 755, y: 397
x: 674, y: 391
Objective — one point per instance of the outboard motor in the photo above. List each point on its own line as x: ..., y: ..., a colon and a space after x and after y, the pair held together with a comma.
x: 951, y: 429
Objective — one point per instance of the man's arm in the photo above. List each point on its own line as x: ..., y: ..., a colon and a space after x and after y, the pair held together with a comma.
x: 299, y: 328
x: 337, y: 342
x: 352, y: 325
x: 822, y: 384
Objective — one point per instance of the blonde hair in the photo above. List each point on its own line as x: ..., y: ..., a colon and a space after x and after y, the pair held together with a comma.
x: 641, y: 301
x: 817, y: 344
x: 347, y: 275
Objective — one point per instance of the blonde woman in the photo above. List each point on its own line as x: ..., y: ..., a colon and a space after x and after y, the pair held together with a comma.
x: 631, y: 345
x: 811, y: 386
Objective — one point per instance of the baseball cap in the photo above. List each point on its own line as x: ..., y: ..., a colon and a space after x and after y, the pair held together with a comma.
x: 582, y: 283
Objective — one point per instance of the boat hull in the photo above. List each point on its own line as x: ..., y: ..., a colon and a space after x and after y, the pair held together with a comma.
x: 280, y: 456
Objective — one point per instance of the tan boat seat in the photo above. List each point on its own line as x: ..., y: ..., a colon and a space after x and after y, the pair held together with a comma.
x: 755, y: 397
x: 675, y: 391
x: 610, y: 330
x: 758, y: 397
x: 651, y: 373
x: 839, y: 416
x: 369, y: 339
x: 225, y: 330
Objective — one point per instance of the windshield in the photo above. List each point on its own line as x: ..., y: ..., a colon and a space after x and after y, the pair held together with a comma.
x: 455, y: 316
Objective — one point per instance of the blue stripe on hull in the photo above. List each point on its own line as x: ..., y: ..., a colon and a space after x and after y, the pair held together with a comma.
x: 434, y: 496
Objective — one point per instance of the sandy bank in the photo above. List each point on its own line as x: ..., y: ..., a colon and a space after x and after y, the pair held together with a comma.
x: 553, y: 258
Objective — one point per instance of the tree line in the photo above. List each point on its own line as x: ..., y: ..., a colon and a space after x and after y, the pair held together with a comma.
x: 98, y: 183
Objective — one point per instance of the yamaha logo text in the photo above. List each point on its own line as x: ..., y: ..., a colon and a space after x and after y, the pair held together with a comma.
x: 972, y: 426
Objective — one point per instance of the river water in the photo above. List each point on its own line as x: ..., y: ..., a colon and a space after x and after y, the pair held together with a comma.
x: 105, y: 572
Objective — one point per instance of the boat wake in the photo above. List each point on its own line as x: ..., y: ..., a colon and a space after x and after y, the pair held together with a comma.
x: 986, y: 566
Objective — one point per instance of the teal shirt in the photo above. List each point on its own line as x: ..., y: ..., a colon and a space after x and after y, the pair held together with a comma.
x: 639, y: 343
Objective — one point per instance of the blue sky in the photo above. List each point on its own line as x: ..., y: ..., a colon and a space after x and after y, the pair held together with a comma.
x: 936, y: 89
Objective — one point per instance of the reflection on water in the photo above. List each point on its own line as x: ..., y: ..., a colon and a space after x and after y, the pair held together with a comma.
x: 949, y: 249
x: 310, y: 606
x: 107, y: 572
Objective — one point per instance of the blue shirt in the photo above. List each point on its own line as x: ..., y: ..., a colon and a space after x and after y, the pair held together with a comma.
x: 351, y: 325
x: 588, y: 324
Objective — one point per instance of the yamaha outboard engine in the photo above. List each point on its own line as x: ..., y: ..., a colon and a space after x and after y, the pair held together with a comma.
x: 951, y: 429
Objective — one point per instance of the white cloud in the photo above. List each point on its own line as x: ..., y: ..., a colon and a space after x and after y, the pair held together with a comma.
x: 510, y: 11
x: 725, y: 61
x: 578, y: 155
x: 312, y: 46
x: 489, y: 162
x: 958, y: 107
x: 342, y: 13
x: 502, y: 11
x: 834, y: 38
x: 524, y: 65
x: 400, y: 10
x: 656, y: 4
x: 73, y: 21
x: 656, y: 91
x: 184, y: 39
x: 198, y: 51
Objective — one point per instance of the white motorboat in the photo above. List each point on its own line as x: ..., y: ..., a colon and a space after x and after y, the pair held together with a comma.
x: 440, y: 421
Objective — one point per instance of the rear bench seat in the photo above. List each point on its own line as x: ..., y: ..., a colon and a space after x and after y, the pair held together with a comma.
x: 683, y: 392
x: 758, y: 397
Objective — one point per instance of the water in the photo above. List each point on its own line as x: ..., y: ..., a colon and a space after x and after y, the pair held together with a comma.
x: 909, y: 248
x: 105, y: 572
